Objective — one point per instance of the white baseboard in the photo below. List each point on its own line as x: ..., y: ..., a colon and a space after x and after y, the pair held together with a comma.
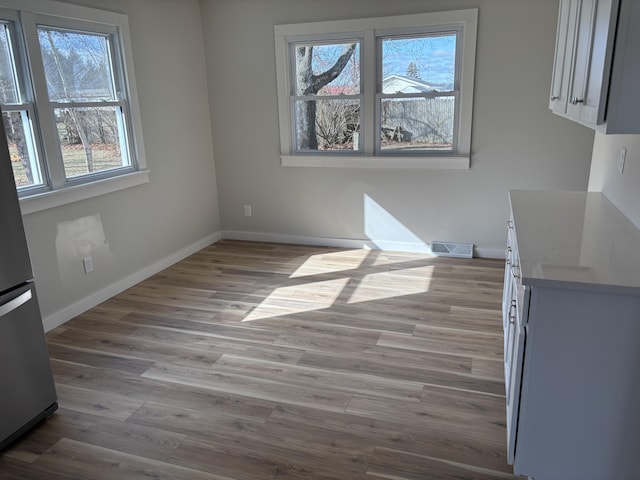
x: 296, y: 239
x: 61, y: 316
x: 346, y: 243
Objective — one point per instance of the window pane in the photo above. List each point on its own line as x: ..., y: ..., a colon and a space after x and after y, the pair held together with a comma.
x: 419, y: 64
x: 77, y: 66
x: 8, y: 85
x: 417, y: 124
x: 327, y: 125
x: 24, y: 160
x: 91, y: 139
x: 327, y: 69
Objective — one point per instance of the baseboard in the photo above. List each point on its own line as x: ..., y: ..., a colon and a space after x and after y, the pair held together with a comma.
x: 296, y: 239
x: 61, y: 316
x: 347, y: 243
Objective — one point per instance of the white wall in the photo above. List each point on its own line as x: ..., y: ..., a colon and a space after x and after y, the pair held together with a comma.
x: 623, y: 190
x: 132, y: 232
x: 516, y: 141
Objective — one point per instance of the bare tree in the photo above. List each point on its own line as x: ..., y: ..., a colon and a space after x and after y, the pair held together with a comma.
x: 82, y: 129
x: 309, y: 83
x: 336, y: 122
x: 15, y: 134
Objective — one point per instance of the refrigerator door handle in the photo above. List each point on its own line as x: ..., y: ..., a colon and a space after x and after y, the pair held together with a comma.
x: 16, y: 302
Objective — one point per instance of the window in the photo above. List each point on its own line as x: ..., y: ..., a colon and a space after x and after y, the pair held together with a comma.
x: 381, y: 92
x: 69, y: 102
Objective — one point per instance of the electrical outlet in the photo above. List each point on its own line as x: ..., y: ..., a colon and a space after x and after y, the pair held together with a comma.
x: 87, y: 262
x: 247, y: 210
x: 621, y: 160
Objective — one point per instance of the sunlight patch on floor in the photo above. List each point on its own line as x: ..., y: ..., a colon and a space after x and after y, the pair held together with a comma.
x: 347, y: 260
x: 377, y: 286
x: 299, y: 298
x: 331, y: 263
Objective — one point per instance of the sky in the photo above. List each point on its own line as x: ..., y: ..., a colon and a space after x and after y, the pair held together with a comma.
x: 434, y: 57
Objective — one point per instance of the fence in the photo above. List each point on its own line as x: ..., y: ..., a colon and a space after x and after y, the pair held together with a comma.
x: 419, y: 121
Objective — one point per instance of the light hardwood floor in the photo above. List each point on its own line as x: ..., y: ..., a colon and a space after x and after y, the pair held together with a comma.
x: 253, y: 361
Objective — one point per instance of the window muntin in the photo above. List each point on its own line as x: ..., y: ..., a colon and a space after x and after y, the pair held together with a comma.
x: 326, y: 97
x: 76, y: 63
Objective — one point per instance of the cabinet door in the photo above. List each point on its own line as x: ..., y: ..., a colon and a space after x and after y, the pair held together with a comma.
x: 565, y: 38
x: 592, y: 61
x: 514, y: 381
x: 509, y: 256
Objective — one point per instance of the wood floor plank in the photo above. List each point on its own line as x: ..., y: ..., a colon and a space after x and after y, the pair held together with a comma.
x: 243, y: 331
x: 72, y: 457
x: 434, y: 371
x: 147, y: 389
x: 216, y: 345
x: 91, y: 356
x: 440, y: 340
x: 449, y: 445
x: 103, y: 404
x: 135, y: 351
x: 353, y: 382
x: 253, y: 387
x: 13, y: 469
x: 261, y: 438
x: 254, y: 361
x: 323, y: 321
x: 484, y: 368
x: 120, y: 307
x: 225, y: 459
x: 146, y: 441
x: 433, y: 417
x: 398, y: 465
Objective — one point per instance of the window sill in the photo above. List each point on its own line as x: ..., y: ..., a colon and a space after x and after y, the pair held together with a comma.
x: 442, y: 163
x: 57, y: 198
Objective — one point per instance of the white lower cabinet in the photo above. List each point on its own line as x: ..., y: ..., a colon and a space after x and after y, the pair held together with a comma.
x: 572, y: 338
x: 515, y: 307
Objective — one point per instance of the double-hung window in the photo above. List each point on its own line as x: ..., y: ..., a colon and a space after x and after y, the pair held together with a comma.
x: 382, y: 92
x: 69, y: 103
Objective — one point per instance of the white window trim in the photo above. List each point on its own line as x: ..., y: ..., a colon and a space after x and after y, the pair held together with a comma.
x: 74, y: 193
x: 367, y: 28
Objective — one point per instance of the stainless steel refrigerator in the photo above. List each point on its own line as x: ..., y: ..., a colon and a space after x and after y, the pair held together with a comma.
x: 27, y: 392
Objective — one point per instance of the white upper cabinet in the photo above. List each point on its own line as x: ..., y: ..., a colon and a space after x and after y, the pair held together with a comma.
x: 564, y: 49
x: 594, y: 83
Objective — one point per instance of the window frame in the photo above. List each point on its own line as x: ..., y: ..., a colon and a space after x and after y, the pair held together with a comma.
x: 27, y: 16
x: 370, y: 30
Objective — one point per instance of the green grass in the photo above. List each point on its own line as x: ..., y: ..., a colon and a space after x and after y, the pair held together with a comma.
x: 105, y: 157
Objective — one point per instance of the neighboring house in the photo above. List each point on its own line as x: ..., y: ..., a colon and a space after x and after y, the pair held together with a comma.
x: 405, y: 84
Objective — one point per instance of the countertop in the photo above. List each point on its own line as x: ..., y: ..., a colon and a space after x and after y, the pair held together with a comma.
x: 577, y: 240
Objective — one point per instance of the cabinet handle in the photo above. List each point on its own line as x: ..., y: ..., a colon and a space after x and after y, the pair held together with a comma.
x: 509, y: 224
x: 554, y: 98
x: 576, y: 100
x: 512, y: 315
x: 513, y: 273
x: 507, y: 255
